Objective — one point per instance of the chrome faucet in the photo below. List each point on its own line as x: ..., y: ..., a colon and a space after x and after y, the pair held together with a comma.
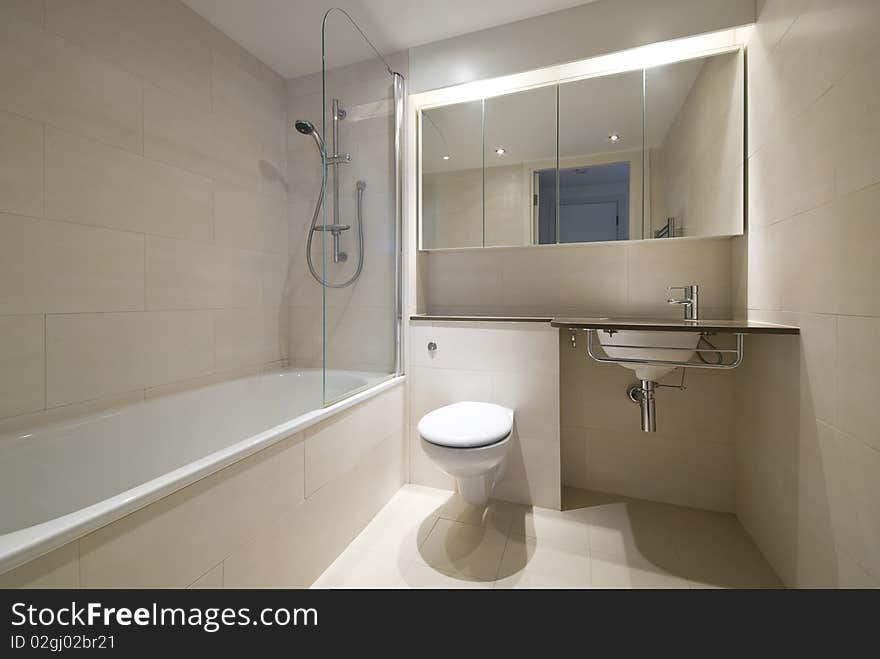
x: 690, y: 301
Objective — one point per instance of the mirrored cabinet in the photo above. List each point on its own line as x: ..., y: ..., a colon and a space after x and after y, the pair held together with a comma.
x: 640, y: 154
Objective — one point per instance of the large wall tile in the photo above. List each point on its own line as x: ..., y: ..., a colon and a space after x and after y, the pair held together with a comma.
x: 29, y: 10
x: 49, y: 79
x: 21, y: 165
x: 239, y: 217
x: 90, y: 183
x: 58, y: 267
x: 336, y: 445
x: 93, y: 355
x: 294, y: 551
x: 165, y: 42
x: 97, y: 355
x: 177, y: 345
x: 248, y: 337
x: 206, y: 143
x: 682, y: 472
x: 858, y: 361
x: 243, y: 95
x: 199, y: 526
x: 22, y: 365
x: 187, y: 275
x: 654, y: 265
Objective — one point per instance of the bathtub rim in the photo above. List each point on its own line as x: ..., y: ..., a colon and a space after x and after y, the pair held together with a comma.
x: 20, y: 547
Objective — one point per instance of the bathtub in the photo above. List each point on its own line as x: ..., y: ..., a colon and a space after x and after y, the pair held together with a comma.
x: 61, y: 481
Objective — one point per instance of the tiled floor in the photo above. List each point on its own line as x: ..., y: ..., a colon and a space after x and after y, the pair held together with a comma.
x: 428, y: 538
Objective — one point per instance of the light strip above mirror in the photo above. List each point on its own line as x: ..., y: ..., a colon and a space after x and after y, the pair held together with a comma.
x: 642, y: 57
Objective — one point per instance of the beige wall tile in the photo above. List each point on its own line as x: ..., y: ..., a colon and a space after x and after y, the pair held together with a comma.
x: 67, y: 87
x: 57, y: 569
x: 97, y: 355
x: 336, y: 445
x: 241, y: 94
x: 532, y: 474
x: 698, y: 474
x: 22, y: 365
x: 239, y: 217
x: 177, y: 345
x: 858, y: 359
x: 92, y: 356
x: 183, y: 274
x: 591, y: 277
x: 58, y: 267
x: 855, y: 100
x: 21, y: 165
x: 294, y: 551
x: 199, y: 525
x: 654, y: 265
x: 29, y: 10
x: 464, y: 279
x: 89, y: 183
x: 25, y: 422
x: 212, y: 579
x: 165, y: 42
x: 209, y: 144
x: 248, y: 337
x: 573, y: 456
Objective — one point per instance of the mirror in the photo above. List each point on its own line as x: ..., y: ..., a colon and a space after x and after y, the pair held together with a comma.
x: 520, y: 140
x: 694, y: 112
x: 600, y: 160
x: 653, y: 153
x: 452, y: 176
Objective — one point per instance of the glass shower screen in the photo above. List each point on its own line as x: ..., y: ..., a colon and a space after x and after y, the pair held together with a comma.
x: 360, y: 227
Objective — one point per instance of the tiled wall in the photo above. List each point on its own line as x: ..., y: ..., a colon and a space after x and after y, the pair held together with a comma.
x: 586, y: 279
x: 275, y: 519
x: 808, y: 444
x: 360, y: 318
x: 689, y: 460
x: 511, y: 364
x: 143, y: 235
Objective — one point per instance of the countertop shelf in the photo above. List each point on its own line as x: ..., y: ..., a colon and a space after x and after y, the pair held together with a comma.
x: 647, y: 324
x: 664, y: 325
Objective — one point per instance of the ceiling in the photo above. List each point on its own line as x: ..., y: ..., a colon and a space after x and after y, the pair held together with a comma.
x: 286, y: 34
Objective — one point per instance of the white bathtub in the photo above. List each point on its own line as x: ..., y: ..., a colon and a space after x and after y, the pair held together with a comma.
x: 62, y: 481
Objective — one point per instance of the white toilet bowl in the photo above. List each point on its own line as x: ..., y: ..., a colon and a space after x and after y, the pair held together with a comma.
x: 469, y: 441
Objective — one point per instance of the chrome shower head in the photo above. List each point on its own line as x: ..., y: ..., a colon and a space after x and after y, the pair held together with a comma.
x: 308, y: 128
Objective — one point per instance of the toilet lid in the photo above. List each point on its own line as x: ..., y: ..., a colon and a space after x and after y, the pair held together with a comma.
x: 466, y: 425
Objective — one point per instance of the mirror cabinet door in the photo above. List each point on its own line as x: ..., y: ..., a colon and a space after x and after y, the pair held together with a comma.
x: 600, y: 159
x: 695, y: 147
x: 452, y: 176
x: 653, y: 153
x: 520, y: 142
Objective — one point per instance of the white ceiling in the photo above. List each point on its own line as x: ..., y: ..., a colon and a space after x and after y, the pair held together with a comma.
x: 286, y: 34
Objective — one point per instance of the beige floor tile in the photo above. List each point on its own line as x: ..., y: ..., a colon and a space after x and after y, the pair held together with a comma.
x: 570, y: 527
x: 430, y: 538
x: 615, y: 572
x: 539, y: 563
x: 463, y: 550
x: 419, y: 575
x: 496, y: 514
x: 356, y: 568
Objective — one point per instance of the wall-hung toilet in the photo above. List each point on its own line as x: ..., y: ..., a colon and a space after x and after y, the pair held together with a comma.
x: 469, y: 441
